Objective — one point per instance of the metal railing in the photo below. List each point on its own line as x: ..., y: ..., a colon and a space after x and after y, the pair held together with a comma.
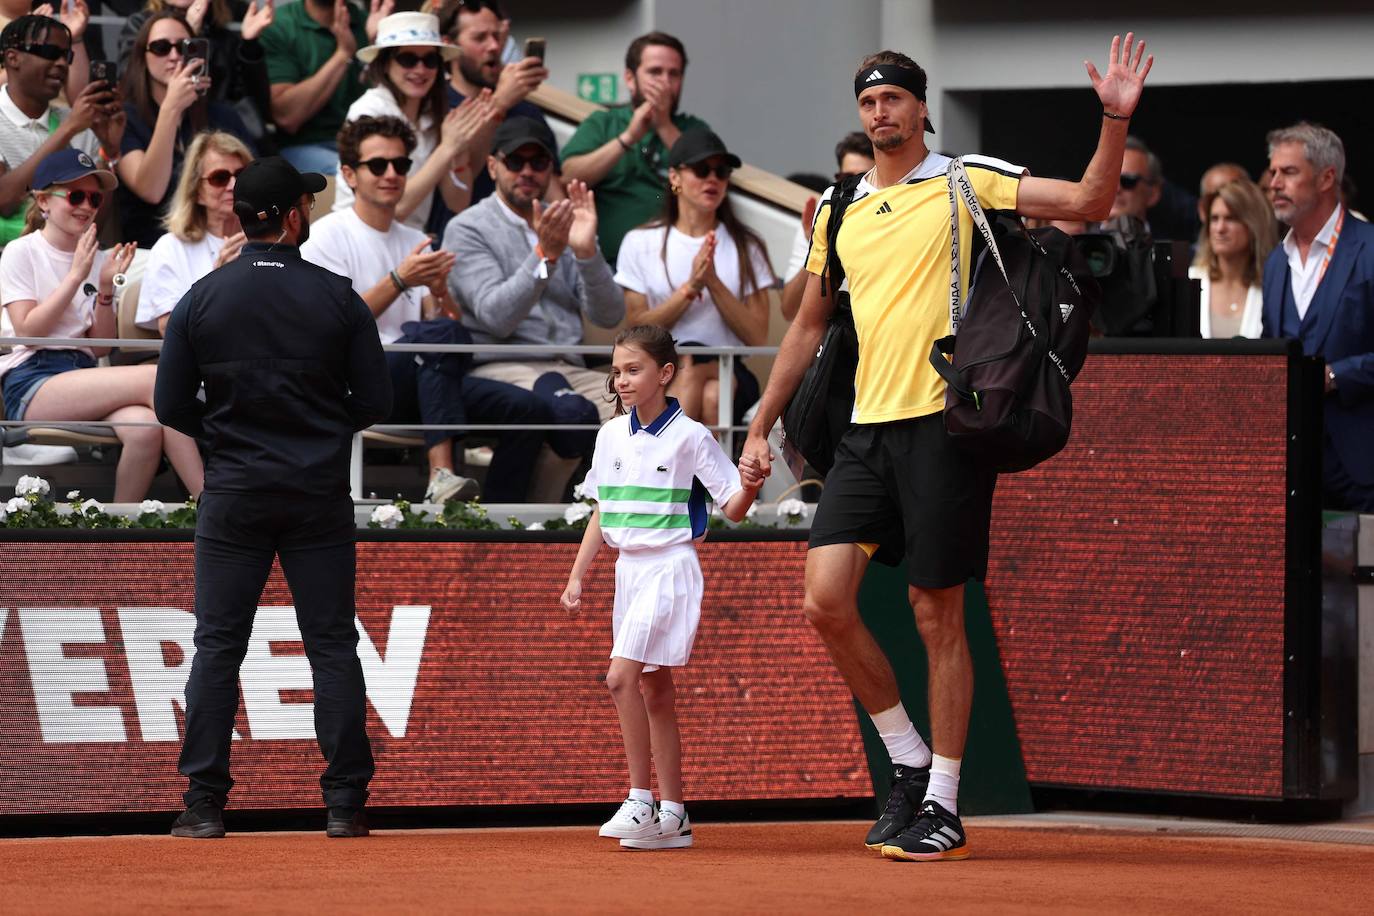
x: 724, y: 425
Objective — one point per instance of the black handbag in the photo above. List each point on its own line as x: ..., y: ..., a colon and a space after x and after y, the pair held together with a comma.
x: 820, y: 411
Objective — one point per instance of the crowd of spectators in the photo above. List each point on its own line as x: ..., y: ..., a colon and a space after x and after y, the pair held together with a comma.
x: 454, y: 213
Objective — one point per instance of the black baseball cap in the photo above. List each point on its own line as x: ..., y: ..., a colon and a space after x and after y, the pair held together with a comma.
x: 697, y: 144
x: 520, y: 131
x: 269, y: 187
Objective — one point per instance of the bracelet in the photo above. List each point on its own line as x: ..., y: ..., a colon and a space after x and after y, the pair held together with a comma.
x: 105, y: 299
x: 623, y: 145
x: 1115, y: 117
x: 400, y: 284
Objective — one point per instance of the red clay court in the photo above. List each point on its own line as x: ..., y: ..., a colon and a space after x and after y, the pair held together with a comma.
x: 816, y: 867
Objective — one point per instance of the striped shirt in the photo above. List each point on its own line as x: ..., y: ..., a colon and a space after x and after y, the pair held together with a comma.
x: 651, y: 482
x: 21, y: 136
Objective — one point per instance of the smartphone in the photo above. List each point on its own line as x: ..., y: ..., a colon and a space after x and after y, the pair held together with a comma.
x: 197, y: 49
x: 103, y: 71
x: 534, y: 47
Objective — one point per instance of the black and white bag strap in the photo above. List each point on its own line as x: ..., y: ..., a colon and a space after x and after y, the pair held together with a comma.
x: 961, y: 188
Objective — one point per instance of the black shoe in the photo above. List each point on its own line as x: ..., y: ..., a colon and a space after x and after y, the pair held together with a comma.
x: 345, y: 822
x: 203, y: 821
x: 908, y: 788
x: 935, y: 835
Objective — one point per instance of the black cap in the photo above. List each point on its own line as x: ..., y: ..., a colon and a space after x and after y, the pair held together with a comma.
x: 271, y: 186
x: 520, y: 131
x: 697, y: 144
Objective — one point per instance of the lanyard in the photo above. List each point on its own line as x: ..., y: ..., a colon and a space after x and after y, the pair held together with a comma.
x: 1331, y: 246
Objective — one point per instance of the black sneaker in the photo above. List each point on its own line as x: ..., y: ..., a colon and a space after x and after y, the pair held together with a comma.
x: 935, y: 835
x: 345, y: 822
x: 908, y: 788
x: 202, y: 821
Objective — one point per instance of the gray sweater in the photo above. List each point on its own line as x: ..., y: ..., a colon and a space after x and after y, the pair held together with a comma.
x: 504, y: 300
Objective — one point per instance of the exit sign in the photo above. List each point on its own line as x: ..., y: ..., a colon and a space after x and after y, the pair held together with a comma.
x: 597, y: 87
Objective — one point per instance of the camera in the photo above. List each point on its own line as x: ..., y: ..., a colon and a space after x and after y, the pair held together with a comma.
x: 1145, y: 287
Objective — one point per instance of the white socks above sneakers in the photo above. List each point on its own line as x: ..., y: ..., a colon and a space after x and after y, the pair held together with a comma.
x: 944, y: 783
x: 678, y: 809
x: 642, y: 795
x: 903, y: 742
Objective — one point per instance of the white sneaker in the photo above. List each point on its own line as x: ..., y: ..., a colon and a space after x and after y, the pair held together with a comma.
x: 634, y: 820
x: 31, y: 455
x: 446, y: 485
x: 673, y: 833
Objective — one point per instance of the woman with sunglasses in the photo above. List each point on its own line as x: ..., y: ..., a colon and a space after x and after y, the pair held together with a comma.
x: 167, y: 105
x: 701, y: 273
x: 202, y: 231
x: 404, y: 68
x: 57, y: 283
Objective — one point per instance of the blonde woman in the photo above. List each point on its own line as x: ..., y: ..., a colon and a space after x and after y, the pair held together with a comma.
x: 1236, y: 238
x: 57, y: 283
x: 202, y: 231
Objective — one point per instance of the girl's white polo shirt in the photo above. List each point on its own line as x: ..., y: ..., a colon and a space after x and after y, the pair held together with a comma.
x: 651, y: 482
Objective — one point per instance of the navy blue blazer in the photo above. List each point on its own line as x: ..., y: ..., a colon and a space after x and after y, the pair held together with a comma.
x: 1338, y: 326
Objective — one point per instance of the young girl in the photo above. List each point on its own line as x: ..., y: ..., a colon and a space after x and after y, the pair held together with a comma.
x: 647, y: 474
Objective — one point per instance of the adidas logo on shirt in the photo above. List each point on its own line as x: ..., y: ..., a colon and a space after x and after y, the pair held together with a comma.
x: 875, y: 75
x: 885, y: 208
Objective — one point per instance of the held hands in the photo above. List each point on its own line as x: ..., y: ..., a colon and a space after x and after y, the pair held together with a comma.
x: 230, y: 252
x: 582, y: 232
x: 572, y: 597
x: 378, y: 11
x: 552, y: 224
x: 1120, y: 89
x: 755, y: 462
x: 342, y: 30
x: 121, y: 256
x: 518, y: 80
x: 423, y: 267
x: 258, y: 17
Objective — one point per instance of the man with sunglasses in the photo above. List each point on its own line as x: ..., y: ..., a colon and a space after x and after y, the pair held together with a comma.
x: 37, y: 57
x: 292, y: 367
x: 526, y: 273
x: 405, y: 284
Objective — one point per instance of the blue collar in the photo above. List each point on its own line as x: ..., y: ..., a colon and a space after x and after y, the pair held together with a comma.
x: 670, y: 413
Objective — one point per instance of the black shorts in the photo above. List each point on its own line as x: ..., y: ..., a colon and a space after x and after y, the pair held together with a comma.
x: 905, y: 487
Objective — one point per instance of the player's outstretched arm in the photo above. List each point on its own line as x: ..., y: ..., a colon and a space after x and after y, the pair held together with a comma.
x: 1091, y: 197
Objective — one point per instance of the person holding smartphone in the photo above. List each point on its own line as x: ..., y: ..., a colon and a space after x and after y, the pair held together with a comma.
x: 167, y: 103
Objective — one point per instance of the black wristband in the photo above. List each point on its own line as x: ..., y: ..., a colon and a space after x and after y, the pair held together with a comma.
x: 623, y: 145
x: 1115, y: 117
x: 399, y: 283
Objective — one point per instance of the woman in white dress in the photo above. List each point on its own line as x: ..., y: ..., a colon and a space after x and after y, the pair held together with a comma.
x: 404, y: 68
x: 1238, y: 236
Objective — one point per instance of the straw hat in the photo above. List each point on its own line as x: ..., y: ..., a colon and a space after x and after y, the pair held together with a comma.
x: 401, y: 30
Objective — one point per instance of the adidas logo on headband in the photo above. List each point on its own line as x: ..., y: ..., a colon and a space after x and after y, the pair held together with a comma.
x: 875, y: 75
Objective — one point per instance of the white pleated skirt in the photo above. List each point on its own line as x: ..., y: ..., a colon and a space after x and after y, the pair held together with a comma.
x: 657, y: 605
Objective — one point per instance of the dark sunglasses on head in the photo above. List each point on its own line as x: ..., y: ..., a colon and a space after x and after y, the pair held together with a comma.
x: 47, y: 51
x: 78, y: 197
x: 220, y: 178
x: 377, y: 165
x: 163, y: 46
x: 1130, y: 180
x: 408, y: 59
x: 702, y: 169
x: 539, y: 162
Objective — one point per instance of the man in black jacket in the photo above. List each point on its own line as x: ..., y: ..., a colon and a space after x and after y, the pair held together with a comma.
x: 292, y: 368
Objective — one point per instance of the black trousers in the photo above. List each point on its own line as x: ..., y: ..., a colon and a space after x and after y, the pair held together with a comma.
x: 237, y: 536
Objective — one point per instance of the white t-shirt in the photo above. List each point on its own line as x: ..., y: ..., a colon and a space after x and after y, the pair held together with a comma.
x: 343, y: 243
x: 640, y: 268
x: 801, y: 247
x: 379, y: 102
x: 31, y: 268
x: 173, y: 265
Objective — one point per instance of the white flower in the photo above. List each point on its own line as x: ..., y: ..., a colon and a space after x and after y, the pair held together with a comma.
x: 89, y: 506
x: 582, y: 491
x: 73, y: 495
x: 576, y: 512
x: 18, y: 506
x: 36, y: 486
x: 535, y: 526
x: 388, y: 516
x: 792, y: 509
x: 154, y: 506
x: 753, y: 510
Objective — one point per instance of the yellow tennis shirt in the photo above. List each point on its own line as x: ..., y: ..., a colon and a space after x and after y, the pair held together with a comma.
x: 894, y: 244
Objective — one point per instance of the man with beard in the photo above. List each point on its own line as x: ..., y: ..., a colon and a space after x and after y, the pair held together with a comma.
x: 478, y: 28
x: 1319, y: 289
x: 622, y: 151
x: 292, y: 367
x: 311, y: 49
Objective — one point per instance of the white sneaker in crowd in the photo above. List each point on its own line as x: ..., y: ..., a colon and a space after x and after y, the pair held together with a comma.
x: 634, y: 820
x: 31, y: 455
x: 673, y: 833
x: 445, y: 485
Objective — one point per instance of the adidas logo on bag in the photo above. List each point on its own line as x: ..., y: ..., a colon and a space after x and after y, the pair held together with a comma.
x: 885, y: 208
x: 875, y: 75
x: 1066, y: 309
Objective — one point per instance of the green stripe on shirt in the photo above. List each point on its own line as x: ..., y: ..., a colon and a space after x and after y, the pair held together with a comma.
x: 644, y: 494
x: 644, y: 520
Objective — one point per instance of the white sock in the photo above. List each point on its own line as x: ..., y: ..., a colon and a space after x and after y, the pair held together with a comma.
x: 903, y: 742
x: 675, y: 808
x: 643, y: 795
x: 944, y: 783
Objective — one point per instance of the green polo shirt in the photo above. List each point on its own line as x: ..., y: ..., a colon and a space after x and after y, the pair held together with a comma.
x: 296, y: 47
x: 632, y: 192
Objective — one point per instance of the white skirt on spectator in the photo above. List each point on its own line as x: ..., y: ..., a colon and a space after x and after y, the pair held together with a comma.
x: 657, y: 605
